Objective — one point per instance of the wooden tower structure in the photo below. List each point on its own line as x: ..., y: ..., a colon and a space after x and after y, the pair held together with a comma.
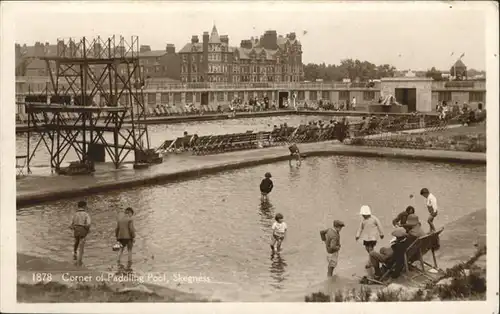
x: 95, y: 104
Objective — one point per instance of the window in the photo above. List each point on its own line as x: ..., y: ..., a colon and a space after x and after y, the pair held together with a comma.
x: 201, y: 58
x: 344, y: 95
x: 151, y: 98
x: 444, y: 96
x: 230, y: 96
x: 193, y: 58
x: 198, y: 97
x: 324, y: 95
x: 369, y: 95
x: 164, y: 98
x: 301, y: 95
x: 189, y: 97
x: 184, y: 58
x: 177, y: 97
x: 184, y: 68
x: 313, y: 95
x: 212, y: 96
x: 194, y: 68
x: 476, y: 96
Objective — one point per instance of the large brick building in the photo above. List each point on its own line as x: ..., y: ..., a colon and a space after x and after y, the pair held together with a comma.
x: 271, y: 58
x: 154, y: 63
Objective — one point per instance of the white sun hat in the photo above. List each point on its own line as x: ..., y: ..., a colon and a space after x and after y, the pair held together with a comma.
x: 365, y: 210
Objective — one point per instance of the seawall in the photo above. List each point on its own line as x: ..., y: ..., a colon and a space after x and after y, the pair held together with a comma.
x: 35, y: 190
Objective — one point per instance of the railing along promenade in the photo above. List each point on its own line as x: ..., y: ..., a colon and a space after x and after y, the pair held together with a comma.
x: 38, y: 85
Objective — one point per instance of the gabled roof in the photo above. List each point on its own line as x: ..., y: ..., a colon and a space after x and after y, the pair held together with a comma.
x: 188, y: 47
x: 459, y: 64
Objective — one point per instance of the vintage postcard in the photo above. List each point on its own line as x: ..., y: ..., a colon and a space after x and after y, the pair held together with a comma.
x: 190, y: 156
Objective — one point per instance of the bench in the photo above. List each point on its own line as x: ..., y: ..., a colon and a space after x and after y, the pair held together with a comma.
x: 416, y: 252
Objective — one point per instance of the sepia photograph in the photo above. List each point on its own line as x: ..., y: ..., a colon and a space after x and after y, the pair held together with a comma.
x: 264, y: 152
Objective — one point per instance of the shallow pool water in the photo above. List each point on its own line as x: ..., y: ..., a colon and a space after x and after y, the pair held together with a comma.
x: 215, y: 226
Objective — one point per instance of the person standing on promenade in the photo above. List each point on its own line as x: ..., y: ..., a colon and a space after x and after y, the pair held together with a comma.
x: 80, y: 224
x: 331, y: 237
x: 125, y: 234
x: 432, y: 207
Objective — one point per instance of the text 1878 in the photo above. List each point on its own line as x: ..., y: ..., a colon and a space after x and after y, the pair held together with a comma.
x: 43, y: 277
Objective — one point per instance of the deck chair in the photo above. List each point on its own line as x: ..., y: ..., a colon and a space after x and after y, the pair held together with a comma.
x: 416, y: 252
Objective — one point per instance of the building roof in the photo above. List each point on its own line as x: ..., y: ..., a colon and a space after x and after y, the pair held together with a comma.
x: 189, y: 46
x: 214, y: 36
x: 152, y: 53
x: 459, y: 64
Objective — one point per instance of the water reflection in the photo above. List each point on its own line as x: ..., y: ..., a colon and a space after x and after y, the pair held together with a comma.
x: 266, y: 213
x: 278, y: 271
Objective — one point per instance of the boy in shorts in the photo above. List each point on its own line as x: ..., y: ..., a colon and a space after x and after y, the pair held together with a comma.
x: 80, y: 224
x: 125, y: 234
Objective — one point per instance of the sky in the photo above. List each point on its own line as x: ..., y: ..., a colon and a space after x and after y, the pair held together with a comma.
x: 410, y: 35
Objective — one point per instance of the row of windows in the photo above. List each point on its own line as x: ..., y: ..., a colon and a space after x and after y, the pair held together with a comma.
x: 224, y: 57
x: 473, y: 96
x: 219, y: 96
x: 240, y: 69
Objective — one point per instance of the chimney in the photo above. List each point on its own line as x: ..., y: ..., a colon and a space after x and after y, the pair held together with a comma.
x: 170, y: 49
x: 39, y: 49
x: 270, y: 40
x: 204, y: 67
x: 18, y: 50
x: 247, y: 44
x: 144, y: 48
x: 224, y: 39
x: 194, y: 39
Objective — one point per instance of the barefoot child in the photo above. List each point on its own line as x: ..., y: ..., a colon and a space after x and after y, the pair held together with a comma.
x: 369, y: 229
x: 331, y: 237
x: 279, y: 230
x: 266, y: 186
x: 80, y: 224
x: 125, y: 234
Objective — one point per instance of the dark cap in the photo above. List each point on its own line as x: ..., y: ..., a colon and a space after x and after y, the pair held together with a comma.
x: 82, y: 204
x: 267, y: 175
x: 424, y: 191
x: 338, y: 223
x: 129, y: 209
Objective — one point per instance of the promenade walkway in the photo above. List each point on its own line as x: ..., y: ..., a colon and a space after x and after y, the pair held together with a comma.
x: 35, y: 189
x: 23, y: 127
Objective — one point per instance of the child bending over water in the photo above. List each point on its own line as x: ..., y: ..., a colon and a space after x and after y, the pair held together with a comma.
x: 279, y: 230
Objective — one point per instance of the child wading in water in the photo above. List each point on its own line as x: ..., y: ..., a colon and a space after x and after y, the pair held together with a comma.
x: 279, y: 229
x: 369, y: 229
x: 125, y: 234
x: 266, y: 186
